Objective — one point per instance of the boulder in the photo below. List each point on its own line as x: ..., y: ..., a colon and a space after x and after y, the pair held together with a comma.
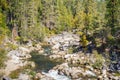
x: 23, y: 77
x: 17, y: 59
x: 39, y: 76
x: 63, y: 41
x: 6, y: 78
x: 56, y: 46
x: 89, y: 73
x: 24, y: 50
x: 54, y: 56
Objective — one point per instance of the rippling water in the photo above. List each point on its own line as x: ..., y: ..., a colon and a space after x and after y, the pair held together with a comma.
x: 54, y: 74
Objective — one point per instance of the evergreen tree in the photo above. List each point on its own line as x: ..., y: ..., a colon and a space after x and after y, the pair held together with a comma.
x: 65, y: 17
x: 90, y: 11
x: 112, y: 14
x: 3, y: 28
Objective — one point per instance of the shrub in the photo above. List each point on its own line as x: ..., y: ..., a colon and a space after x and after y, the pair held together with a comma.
x: 70, y: 50
x: 15, y: 74
x: 99, y: 60
x: 2, y: 57
x: 11, y: 46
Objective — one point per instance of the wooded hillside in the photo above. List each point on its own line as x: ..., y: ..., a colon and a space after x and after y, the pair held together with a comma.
x: 34, y: 19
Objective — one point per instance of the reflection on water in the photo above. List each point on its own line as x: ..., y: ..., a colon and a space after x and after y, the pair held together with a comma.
x: 43, y: 63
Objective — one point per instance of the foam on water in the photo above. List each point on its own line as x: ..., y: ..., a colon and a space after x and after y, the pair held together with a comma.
x: 54, y: 74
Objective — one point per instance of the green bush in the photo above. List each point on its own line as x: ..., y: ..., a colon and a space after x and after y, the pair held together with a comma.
x: 117, y: 74
x: 70, y: 50
x: 11, y: 46
x: 27, y: 69
x: 15, y: 74
x: 2, y: 57
x: 99, y: 60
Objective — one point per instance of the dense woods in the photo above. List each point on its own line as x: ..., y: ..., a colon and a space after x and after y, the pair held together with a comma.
x: 96, y: 21
x: 32, y: 20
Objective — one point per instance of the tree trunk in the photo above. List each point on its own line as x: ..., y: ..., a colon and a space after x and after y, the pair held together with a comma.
x: 14, y: 32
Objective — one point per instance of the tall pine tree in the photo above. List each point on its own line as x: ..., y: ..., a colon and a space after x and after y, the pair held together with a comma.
x: 112, y: 14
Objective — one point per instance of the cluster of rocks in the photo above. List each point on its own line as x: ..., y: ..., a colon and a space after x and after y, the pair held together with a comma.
x: 84, y: 73
x: 16, y: 59
x: 80, y: 66
x: 74, y: 72
x: 63, y: 41
x: 77, y: 65
x: 50, y: 75
x: 115, y: 67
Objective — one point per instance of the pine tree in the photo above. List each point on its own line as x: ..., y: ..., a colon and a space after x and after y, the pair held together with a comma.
x: 90, y: 10
x: 112, y: 14
x: 48, y: 13
x: 3, y: 26
x: 65, y: 16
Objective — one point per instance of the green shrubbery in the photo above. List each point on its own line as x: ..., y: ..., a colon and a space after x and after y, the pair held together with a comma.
x: 99, y: 60
x: 70, y: 50
x: 11, y: 46
x: 15, y: 74
x: 2, y: 57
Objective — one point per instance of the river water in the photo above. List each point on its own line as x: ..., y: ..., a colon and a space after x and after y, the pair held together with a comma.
x: 44, y: 64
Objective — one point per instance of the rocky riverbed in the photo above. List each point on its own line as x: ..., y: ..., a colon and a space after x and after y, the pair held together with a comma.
x: 47, y: 64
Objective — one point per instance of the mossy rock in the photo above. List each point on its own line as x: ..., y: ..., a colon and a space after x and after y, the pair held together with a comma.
x: 117, y: 74
x: 15, y: 74
x: 99, y: 60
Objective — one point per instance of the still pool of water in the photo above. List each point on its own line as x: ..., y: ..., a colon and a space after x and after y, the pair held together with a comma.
x: 44, y: 63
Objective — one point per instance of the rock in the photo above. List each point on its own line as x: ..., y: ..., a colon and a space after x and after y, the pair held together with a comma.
x: 61, y: 67
x: 100, y: 77
x: 54, y: 56
x: 56, y: 46
x: 67, y: 56
x: 21, y: 53
x: 24, y: 50
x: 23, y: 77
x: 32, y: 64
x: 75, y: 73
x: 63, y: 41
x: 65, y: 65
x: 17, y: 59
x: 89, y: 67
x: 29, y: 44
x: 89, y: 73
x: 104, y: 73
x: 114, y: 77
x: 118, y: 66
x: 41, y: 51
x: 47, y: 78
x: 72, y: 58
x: 5, y: 78
x: 39, y: 76
x: 62, y: 53
x: 55, y: 51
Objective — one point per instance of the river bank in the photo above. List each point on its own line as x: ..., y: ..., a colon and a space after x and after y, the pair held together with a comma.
x: 58, y: 61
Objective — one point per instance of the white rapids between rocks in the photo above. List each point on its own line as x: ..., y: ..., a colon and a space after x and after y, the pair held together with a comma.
x: 54, y: 74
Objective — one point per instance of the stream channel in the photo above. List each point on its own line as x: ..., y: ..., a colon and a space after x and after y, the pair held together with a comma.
x: 44, y: 64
